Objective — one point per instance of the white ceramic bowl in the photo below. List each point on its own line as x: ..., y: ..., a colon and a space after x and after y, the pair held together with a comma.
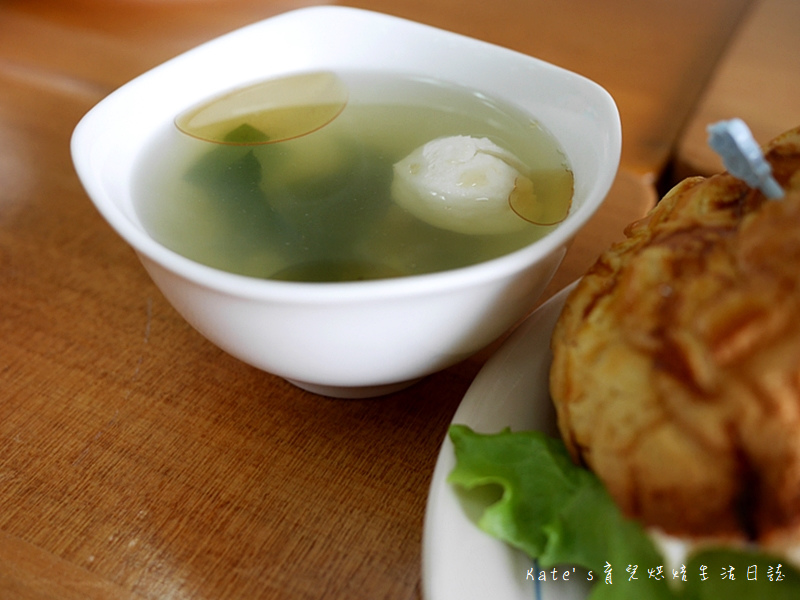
x: 353, y: 339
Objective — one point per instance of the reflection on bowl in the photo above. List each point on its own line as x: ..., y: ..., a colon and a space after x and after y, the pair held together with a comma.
x: 349, y: 338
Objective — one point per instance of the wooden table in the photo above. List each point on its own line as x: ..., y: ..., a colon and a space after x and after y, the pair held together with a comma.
x: 757, y: 79
x: 139, y: 461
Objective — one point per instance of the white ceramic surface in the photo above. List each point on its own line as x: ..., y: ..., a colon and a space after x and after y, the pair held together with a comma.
x: 362, y: 338
x: 459, y: 561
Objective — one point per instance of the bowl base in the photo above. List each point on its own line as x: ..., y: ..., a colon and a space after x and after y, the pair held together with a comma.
x: 353, y: 392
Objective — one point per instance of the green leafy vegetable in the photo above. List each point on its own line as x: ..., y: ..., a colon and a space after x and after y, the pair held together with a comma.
x: 559, y: 513
x: 246, y: 134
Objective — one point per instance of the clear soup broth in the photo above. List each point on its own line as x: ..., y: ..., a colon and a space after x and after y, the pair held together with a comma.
x: 319, y: 207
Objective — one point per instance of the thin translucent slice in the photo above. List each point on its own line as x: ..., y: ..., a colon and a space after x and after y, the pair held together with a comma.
x: 540, y: 209
x: 267, y: 112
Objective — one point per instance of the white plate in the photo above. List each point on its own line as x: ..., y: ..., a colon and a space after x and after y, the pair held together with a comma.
x: 459, y: 561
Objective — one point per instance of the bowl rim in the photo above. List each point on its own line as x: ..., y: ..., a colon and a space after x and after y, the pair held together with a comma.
x: 243, y: 286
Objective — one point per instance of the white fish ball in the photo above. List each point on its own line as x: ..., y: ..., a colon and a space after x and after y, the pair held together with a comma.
x: 461, y: 184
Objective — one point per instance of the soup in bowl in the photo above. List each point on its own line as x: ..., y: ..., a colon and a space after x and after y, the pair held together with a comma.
x: 402, y: 204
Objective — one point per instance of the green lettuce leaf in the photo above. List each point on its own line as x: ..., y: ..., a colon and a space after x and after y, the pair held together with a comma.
x: 560, y: 513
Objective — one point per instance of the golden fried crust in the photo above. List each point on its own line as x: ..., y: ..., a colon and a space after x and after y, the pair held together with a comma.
x: 676, y: 369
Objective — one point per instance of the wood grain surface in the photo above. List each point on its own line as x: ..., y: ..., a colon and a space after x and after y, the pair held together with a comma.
x: 757, y: 80
x: 139, y: 461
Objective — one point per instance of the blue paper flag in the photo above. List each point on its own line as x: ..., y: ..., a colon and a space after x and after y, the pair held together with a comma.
x: 742, y: 156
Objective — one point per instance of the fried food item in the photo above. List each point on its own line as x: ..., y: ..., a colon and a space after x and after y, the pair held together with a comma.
x: 676, y: 370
